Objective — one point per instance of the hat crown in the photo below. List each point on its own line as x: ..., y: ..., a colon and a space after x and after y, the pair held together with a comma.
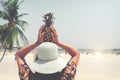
x: 48, y: 61
x: 47, y: 51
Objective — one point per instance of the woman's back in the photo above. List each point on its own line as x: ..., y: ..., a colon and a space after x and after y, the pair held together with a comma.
x: 39, y: 76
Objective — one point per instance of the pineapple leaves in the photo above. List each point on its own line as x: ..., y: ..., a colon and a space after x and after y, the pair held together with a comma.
x: 48, y: 19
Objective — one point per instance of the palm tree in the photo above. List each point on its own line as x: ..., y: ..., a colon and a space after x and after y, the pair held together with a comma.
x: 12, y: 31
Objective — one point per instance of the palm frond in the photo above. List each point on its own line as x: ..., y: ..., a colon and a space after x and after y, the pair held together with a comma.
x: 12, y: 10
x: 4, y: 15
x: 18, y: 16
x: 19, y: 3
x: 8, y: 35
x: 22, y: 37
x: 22, y: 24
x: 17, y: 42
x: 11, y: 7
x: 3, y: 27
x: 3, y: 33
x: 14, y: 32
x: 4, y: 3
x: 15, y: 2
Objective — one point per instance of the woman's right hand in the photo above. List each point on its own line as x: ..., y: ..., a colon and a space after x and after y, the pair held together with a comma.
x: 40, y: 35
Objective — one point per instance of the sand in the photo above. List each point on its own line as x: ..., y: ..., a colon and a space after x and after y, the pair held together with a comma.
x: 90, y: 67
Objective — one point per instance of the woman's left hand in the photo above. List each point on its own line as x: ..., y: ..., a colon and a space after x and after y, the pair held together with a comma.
x: 54, y: 34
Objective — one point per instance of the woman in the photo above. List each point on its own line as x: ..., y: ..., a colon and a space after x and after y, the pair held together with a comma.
x: 48, y: 65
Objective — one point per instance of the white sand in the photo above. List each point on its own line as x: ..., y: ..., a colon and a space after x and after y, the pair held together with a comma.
x: 90, y: 67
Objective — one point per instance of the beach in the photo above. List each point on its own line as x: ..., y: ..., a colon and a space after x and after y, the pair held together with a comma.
x: 90, y: 67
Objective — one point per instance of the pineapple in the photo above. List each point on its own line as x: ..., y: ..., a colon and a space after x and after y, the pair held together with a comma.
x: 48, y: 19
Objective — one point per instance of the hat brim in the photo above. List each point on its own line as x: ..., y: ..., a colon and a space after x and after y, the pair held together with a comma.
x: 48, y: 67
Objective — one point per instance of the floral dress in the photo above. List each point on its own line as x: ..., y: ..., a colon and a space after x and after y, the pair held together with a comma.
x: 68, y: 73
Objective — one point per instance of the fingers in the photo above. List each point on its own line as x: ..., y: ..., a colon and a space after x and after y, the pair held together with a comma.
x: 54, y: 34
x: 53, y: 30
x: 41, y: 28
x: 42, y: 35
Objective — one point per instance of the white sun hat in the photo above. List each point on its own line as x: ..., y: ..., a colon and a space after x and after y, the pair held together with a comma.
x: 48, y: 60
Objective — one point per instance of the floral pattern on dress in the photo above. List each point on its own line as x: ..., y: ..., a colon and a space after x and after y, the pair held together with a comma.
x: 69, y: 72
x: 24, y: 76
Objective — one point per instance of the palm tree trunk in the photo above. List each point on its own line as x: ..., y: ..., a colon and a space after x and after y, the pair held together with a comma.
x: 3, y: 54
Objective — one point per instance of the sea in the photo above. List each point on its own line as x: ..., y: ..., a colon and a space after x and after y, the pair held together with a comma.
x: 96, y: 51
x: 82, y: 51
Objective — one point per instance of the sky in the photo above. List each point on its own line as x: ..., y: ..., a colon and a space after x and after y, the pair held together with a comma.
x: 85, y: 24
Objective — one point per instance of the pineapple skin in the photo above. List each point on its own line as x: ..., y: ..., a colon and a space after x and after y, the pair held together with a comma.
x: 47, y: 34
